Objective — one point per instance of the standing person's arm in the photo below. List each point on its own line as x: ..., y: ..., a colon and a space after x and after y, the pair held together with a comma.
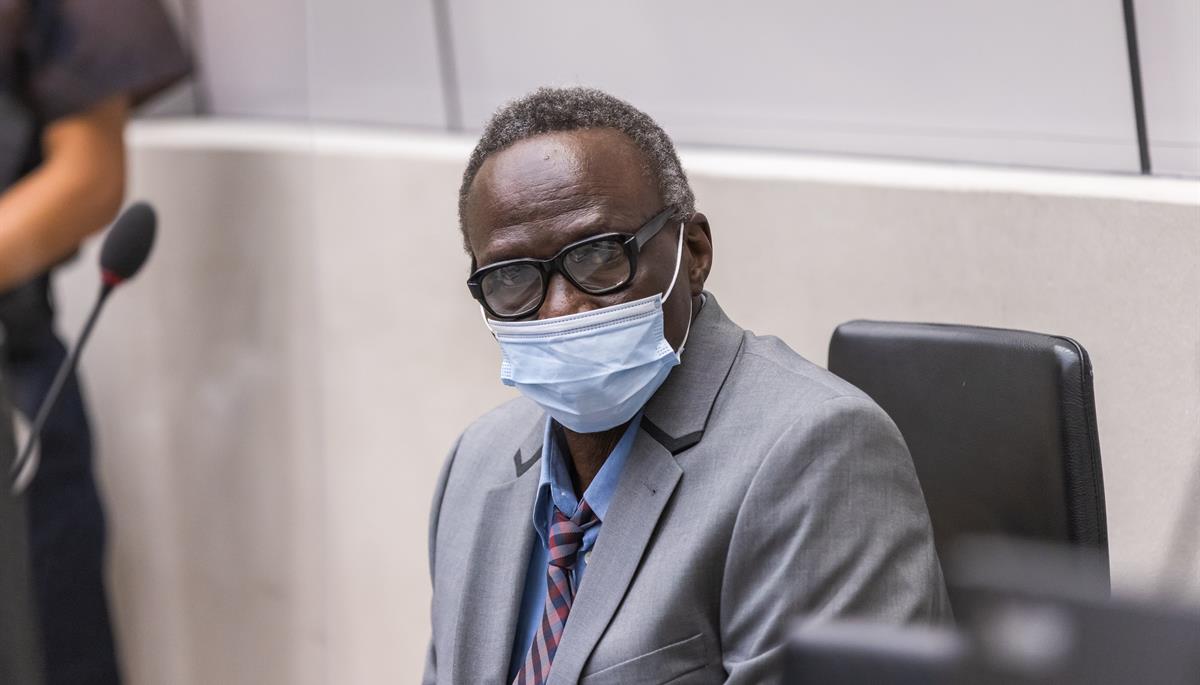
x: 74, y: 192
x: 86, y: 64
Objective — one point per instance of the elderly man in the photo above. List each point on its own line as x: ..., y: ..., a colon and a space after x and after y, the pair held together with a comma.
x: 672, y: 492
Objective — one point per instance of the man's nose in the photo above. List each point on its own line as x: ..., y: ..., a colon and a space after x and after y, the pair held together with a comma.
x: 563, y: 298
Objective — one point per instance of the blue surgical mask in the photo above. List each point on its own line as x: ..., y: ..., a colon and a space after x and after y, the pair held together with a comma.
x: 594, y: 370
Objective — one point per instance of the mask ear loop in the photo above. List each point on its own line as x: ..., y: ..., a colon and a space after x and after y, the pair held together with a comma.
x: 678, y: 263
x: 483, y: 315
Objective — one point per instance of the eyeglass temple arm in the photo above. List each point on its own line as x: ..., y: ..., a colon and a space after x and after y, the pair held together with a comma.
x: 643, y: 236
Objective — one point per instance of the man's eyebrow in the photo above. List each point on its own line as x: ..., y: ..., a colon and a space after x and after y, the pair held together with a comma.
x: 604, y: 221
x: 520, y: 211
x: 611, y: 219
x: 591, y: 222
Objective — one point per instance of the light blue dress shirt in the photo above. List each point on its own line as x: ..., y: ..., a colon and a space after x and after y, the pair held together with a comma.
x: 556, y: 491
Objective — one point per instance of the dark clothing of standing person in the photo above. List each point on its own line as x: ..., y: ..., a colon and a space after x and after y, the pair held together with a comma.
x: 70, y: 70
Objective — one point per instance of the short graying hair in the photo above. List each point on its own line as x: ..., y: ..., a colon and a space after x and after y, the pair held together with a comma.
x: 569, y: 109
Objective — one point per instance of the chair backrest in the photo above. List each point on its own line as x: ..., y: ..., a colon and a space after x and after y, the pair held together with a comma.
x: 1001, y: 425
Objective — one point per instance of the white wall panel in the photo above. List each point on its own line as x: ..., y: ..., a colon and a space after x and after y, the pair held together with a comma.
x: 1021, y: 82
x: 1169, y: 43
x: 216, y: 521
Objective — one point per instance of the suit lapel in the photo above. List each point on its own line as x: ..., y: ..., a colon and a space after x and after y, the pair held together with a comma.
x: 491, y: 598
x: 642, y: 493
x: 673, y: 420
x: 678, y: 413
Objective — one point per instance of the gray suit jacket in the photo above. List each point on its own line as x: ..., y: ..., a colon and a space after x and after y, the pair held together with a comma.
x: 761, y: 490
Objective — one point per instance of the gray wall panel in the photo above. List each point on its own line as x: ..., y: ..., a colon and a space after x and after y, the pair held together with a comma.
x: 375, y: 61
x: 1023, y: 82
x: 360, y: 61
x: 254, y: 57
x: 181, y: 99
x: 1169, y: 42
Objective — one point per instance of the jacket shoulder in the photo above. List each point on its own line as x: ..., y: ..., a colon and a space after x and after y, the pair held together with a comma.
x: 490, y: 441
x: 783, y: 372
x: 776, y: 390
x: 776, y: 402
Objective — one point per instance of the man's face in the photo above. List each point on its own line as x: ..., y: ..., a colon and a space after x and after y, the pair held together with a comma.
x: 545, y: 192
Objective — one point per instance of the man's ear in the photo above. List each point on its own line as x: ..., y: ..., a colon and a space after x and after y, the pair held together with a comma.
x: 700, y: 251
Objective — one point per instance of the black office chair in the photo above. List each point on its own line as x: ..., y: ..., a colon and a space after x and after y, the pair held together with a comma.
x: 1001, y: 425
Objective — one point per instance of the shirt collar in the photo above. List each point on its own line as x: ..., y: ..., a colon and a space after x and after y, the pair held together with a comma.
x: 554, y: 485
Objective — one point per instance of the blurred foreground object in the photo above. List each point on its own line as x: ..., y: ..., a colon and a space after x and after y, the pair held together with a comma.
x: 1029, y: 614
x: 19, y: 657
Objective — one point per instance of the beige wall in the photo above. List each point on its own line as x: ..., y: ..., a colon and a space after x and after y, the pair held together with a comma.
x: 274, y: 395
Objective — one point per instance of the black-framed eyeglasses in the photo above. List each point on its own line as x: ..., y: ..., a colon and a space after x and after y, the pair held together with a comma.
x: 598, y: 265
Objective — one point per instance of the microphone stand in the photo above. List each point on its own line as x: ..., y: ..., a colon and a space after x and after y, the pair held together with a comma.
x: 60, y: 379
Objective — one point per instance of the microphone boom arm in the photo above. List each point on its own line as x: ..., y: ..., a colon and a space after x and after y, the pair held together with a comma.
x: 51, y: 399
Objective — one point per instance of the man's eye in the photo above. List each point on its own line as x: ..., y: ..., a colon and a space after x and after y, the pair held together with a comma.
x: 511, y: 275
x: 595, y: 254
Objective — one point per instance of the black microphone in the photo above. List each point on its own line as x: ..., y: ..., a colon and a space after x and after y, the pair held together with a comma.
x: 125, y: 250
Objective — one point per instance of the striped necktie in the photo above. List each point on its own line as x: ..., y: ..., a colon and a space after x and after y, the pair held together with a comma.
x: 566, y: 535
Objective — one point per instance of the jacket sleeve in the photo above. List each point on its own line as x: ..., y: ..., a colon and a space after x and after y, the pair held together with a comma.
x: 435, y: 512
x: 80, y: 52
x: 833, y: 525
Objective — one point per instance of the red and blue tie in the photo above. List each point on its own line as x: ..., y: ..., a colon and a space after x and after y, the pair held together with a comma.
x: 566, y: 535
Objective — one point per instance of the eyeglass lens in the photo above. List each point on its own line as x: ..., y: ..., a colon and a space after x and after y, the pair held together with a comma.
x: 597, y: 266
x: 513, y: 289
x: 518, y: 288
